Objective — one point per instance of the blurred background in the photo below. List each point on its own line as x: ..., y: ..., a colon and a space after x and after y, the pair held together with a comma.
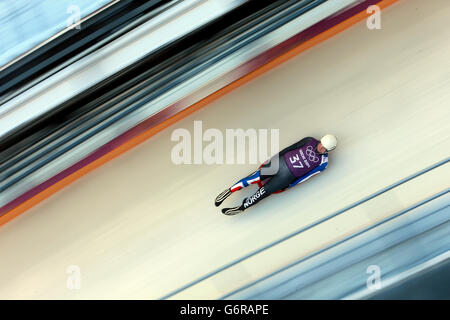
x: 25, y: 24
x: 92, y: 206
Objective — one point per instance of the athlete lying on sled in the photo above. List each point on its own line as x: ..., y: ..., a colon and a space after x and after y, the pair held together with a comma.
x: 296, y: 163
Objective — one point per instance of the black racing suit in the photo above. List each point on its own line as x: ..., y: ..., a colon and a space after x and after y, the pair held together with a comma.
x: 277, y: 181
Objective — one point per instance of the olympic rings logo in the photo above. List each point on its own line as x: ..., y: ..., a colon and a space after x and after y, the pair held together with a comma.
x: 311, y: 154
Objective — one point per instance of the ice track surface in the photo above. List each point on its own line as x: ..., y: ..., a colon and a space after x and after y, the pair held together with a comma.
x: 142, y: 227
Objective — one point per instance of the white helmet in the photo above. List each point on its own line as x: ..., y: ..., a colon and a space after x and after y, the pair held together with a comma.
x: 329, y: 142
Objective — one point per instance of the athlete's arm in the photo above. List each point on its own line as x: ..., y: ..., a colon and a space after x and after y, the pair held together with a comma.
x: 312, y: 173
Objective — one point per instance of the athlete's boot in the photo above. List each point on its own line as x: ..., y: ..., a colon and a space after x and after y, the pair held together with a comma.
x: 221, y: 197
x: 235, y: 210
x: 232, y: 211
